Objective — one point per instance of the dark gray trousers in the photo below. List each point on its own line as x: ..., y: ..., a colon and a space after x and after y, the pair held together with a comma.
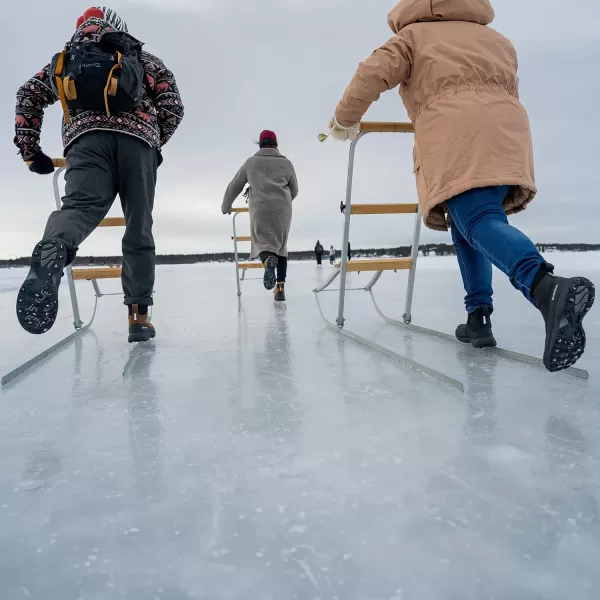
x: 102, y: 164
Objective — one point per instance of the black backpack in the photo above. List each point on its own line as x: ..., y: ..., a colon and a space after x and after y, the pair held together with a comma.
x: 104, y: 76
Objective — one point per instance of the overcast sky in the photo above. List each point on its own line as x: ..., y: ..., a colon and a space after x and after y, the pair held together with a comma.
x: 247, y: 65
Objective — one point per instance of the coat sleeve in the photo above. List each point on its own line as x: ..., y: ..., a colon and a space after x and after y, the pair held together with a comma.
x: 385, y: 69
x: 33, y: 97
x: 165, y: 96
x: 235, y: 188
x: 293, y: 182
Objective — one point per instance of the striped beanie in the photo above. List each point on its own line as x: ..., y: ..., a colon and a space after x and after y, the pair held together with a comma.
x: 113, y: 19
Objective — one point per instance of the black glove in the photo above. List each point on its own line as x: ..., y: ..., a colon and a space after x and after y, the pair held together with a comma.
x: 41, y: 164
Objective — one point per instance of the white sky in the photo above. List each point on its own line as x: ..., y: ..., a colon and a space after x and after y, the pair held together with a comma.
x: 243, y: 66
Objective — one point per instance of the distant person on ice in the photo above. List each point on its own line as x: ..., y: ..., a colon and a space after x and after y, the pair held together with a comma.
x: 473, y: 159
x: 331, y: 255
x: 319, y: 252
x: 273, y: 187
x: 115, y: 123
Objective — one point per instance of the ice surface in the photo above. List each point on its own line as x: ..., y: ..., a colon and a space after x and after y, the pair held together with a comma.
x: 254, y: 454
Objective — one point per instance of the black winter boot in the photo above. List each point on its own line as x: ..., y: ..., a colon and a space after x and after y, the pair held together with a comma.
x: 270, y: 278
x: 563, y: 304
x: 478, y: 330
x: 37, y: 302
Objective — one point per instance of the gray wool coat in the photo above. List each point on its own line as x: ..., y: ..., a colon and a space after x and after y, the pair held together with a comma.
x: 273, y: 187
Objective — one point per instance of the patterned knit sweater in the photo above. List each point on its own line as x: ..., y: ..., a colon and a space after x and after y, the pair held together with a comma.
x: 154, y: 121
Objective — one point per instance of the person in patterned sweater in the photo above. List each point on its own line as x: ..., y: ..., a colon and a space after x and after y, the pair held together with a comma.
x: 106, y: 155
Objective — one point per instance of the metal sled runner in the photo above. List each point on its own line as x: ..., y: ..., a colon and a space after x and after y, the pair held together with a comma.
x: 379, y: 266
x: 92, y: 274
x: 241, y: 266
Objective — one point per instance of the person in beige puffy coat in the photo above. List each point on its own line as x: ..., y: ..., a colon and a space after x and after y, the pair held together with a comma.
x: 473, y: 158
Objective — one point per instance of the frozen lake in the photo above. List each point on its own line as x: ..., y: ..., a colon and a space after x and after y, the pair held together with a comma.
x: 253, y: 454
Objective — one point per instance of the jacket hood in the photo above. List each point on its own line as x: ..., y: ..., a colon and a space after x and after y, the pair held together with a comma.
x: 418, y: 11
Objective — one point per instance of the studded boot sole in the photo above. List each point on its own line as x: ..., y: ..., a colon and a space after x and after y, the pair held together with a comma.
x: 37, y: 301
x: 270, y: 279
x: 571, y: 300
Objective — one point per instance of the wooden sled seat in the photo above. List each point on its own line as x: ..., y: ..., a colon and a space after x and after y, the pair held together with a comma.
x: 113, y: 222
x: 384, y: 209
x: 243, y: 238
x: 251, y: 265
x: 89, y: 273
x: 378, y: 264
x: 386, y: 127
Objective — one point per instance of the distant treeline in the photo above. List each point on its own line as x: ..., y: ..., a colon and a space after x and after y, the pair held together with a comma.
x: 401, y: 251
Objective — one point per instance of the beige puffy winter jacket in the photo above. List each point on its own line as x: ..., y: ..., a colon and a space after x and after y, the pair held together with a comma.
x: 458, y: 80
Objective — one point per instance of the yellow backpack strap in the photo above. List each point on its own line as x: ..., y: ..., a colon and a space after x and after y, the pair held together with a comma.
x: 69, y: 87
x: 59, y: 86
x: 110, y: 89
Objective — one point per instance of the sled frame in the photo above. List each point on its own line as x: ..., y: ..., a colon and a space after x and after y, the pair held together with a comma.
x: 378, y: 266
x: 242, y: 267
x: 368, y: 209
x: 91, y: 274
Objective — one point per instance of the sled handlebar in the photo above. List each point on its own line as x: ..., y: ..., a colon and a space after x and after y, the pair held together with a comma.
x: 385, y: 127
x: 59, y: 163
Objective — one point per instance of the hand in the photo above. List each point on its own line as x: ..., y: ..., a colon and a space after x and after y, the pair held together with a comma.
x: 341, y: 133
x: 41, y: 164
x: 437, y: 219
x: 225, y: 212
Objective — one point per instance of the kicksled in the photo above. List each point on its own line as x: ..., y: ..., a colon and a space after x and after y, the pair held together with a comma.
x: 380, y: 266
x: 92, y: 274
x: 242, y: 267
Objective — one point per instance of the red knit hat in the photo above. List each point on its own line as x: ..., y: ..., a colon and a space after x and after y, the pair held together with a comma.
x: 267, y: 135
x: 88, y: 14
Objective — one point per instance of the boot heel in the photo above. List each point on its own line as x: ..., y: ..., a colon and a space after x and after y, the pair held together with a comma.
x: 485, y: 342
x: 138, y: 333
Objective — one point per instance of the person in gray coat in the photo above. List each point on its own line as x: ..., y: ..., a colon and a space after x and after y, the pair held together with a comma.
x: 272, y: 188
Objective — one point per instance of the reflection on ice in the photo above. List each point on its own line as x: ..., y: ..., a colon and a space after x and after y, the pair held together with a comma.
x: 252, y: 453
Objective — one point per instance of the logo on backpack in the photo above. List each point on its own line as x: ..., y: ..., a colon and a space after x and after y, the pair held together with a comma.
x: 104, y: 76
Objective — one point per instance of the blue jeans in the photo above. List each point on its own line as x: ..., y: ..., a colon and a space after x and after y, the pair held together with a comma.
x: 483, y: 237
